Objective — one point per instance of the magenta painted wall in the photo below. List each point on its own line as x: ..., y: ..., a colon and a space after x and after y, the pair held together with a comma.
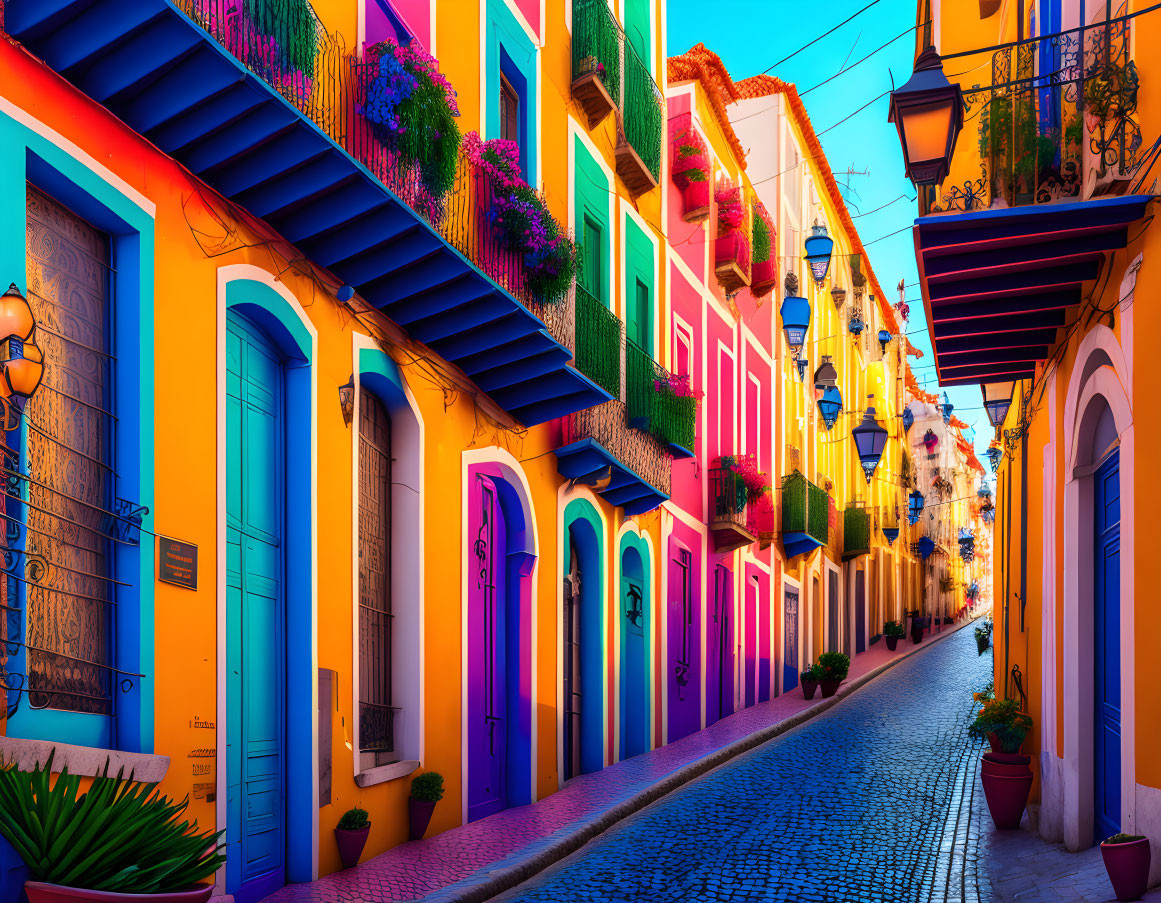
x: 686, y: 302
x: 689, y: 241
x: 531, y: 11
x: 683, y: 665
x: 416, y: 16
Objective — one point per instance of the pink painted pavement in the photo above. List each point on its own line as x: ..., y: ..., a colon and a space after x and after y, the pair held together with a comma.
x: 468, y: 855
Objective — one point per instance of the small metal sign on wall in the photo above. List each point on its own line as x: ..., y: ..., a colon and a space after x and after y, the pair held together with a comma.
x: 177, y: 562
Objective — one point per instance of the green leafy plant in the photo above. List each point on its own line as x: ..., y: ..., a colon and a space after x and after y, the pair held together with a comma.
x: 763, y: 231
x: 427, y: 787
x: 835, y: 665
x: 120, y: 835
x: 814, y: 672
x: 354, y: 819
x: 292, y: 24
x: 893, y: 628
x: 1003, y: 718
x: 1125, y: 838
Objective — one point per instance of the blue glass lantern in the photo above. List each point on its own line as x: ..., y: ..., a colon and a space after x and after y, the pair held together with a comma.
x: 985, y: 491
x: 884, y: 338
x: 818, y: 248
x: 795, y: 313
x: 803, y: 366
x: 947, y: 408
x: 997, y: 400
x: 830, y: 405
x: 891, y: 534
x: 915, y: 503
x: 924, y: 547
x: 856, y: 325
x: 989, y: 515
x: 870, y: 440
x: 908, y: 420
x: 995, y: 454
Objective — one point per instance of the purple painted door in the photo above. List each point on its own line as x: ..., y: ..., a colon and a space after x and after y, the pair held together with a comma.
x: 719, y: 698
x: 751, y: 670
x: 487, y: 692
x: 682, y: 629
x: 765, y: 646
x: 790, y: 640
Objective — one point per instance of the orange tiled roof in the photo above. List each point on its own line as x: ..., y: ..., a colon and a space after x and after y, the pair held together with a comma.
x: 699, y: 63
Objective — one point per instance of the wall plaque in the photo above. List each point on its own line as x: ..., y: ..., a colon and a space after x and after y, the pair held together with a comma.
x: 177, y: 562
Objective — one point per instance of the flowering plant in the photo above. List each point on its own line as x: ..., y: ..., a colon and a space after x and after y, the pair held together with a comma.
x: 746, y: 467
x: 412, y: 107
x: 1003, y: 718
x: 690, y: 160
x: 731, y: 211
x: 677, y: 385
x: 523, y: 220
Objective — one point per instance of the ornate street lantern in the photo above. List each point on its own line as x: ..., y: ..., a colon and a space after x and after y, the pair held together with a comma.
x: 924, y: 547
x: 984, y: 492
x: 870, y: 440
x: 818, y: 248
x: 830, y: 405
x: 21, y: 360
x: 931, y: 443
x: 839, y: 296
x: 795, y: 313
x: 891, y: 534
x: 967, y: 544
x: 928, y: 113
x: 803, y: 366
x: 915, y: 503
x: 856, y: 325
x: 995, y: 454
x: 826, y: 374
x: 997, y: 400
x: 347, y: 400
x: 946, y: 408
x: 908, y: 420
x: 884, y: 338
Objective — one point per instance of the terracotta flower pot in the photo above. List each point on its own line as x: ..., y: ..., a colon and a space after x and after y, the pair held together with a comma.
x: 732, y: 248
x: 892, y: 642
x: 40, y: 892
x: 351, y: 844
x: 1007, y: 795
x: 1128, y: 867
x: 829, y: 687
x: 696, y: 201
x: 808, y: 688
x: 1006, y: 764
x: 419, y: 812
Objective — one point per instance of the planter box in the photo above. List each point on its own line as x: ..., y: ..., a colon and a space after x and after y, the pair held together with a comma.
x: 732, y: 261
x: 590, y: 91
x: 696, y: 200
x: 1128, y: 867
x: 763, y: 278
x: 39, y: 892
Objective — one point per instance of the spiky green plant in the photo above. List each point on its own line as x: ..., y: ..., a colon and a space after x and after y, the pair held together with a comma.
x: 121, y: 835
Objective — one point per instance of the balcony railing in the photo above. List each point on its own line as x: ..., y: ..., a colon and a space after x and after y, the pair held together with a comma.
x: 658, y: 403
x: 313, y: 71
x: 1056, y: 120
x: 600, y: 335
x: 608, y: 74
x: 856, y: 532
x: 638, y: 451
x: 729, y: 497
x: 805, y: 510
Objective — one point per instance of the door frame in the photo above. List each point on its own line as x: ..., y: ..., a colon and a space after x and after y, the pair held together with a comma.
x: 630, y: 536
x: 265, y: 300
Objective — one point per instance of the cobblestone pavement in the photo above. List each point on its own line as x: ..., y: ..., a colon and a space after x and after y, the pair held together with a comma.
x: 874, y: 800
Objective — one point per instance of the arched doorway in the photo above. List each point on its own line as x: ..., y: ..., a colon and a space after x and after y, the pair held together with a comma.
x: 636, y: 632
x: 1107, y: 649
x: 582, y: 641
x: 498, y: 673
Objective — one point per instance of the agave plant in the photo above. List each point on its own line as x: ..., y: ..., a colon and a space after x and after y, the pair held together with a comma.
x: 121, y: 835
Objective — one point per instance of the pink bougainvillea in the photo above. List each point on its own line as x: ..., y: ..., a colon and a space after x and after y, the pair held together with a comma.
x: 731, y: 209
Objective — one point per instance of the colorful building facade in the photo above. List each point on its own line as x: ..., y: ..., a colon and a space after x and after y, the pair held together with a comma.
x: 335, y: 474
x: 1054, y: 162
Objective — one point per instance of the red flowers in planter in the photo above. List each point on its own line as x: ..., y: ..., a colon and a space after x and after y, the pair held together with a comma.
x: 732, y: 246
x: 691, y: 170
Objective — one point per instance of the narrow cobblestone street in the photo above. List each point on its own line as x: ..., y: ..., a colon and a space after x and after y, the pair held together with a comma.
x: 873, y: 800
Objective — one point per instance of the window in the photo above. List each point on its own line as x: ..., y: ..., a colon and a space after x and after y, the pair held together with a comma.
x: 377, y: 711
x: 509, y: 111
x: 683, y: 353
x: 69, y: 459
x: 638, y: 327
x: 592, y: 275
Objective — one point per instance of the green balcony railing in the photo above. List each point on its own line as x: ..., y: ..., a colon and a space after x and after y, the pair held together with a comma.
x: 599, y: 335
x: 652, y: 402
x: 856, y: 532
x: 805, y: 508
x: 596, y: 44
x: 642, y: 112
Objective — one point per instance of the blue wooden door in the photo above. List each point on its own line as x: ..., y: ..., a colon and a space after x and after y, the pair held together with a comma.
x: 1107, y: 649
x: 790, y: 639
x: 255, y: 614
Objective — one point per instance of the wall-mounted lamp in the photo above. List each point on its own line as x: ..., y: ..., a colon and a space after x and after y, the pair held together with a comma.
x: 21, y: 360
x: 347, y: 400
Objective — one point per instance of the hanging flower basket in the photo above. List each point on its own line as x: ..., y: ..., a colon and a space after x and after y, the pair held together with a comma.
x: 763, y: 273
x: 691, y: 171
x: 732, y: 246
x: 695, y: 199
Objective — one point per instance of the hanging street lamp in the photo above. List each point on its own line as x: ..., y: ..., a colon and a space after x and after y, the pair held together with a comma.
x: 21, y: 360
x: 838, y: 295
x: 856, y: 325
x: 795, y: 313
x: 928, y: 114
x: 803, y: 366
x: 995, y: 454
x: 997, y: 400
x: 884, y: 339
x: 915, y: 503
x: 870, y: 440
x: 908, y: 420
x: 830, y: 405
x: 826, y: 374
x: 946, y: 408
x: 818, y: 249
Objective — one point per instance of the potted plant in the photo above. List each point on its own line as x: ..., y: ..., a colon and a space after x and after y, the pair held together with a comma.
x: 918, y: 625
x: 983, y: 636
x: 1126, y: 859
x: 691, y: 173
x: 118, y: 842
x: 763, y: 272
x: 810, y: 679
x: 426, y: 791
x: 351, y: 835
x: 1005, y: 774
x: 835, y: 667
x: 732, y: 245
x: 893, y: 632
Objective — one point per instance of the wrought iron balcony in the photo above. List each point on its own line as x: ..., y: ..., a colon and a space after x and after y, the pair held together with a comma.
x: 600, y: 336
x: 608, y: 74
x: 269, y: 111
x: 856, y: 532
x: 660, y: 403
x: 805, y: 515
x: 729, y: 497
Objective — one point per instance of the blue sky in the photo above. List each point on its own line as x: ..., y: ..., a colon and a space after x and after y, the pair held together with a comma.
x: 751, y: 36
